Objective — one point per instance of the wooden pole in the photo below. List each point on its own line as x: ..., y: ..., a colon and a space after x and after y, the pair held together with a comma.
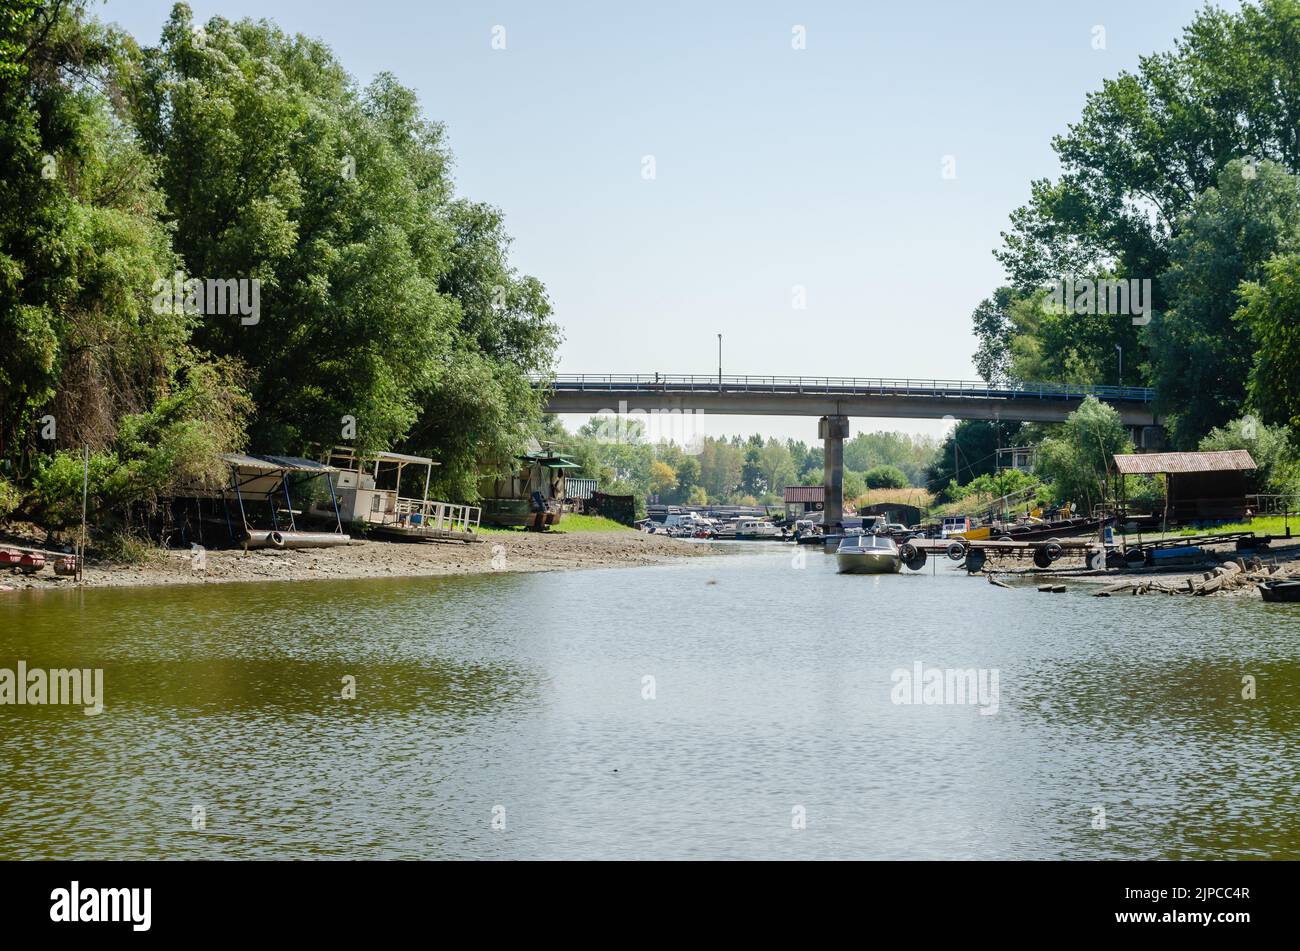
x: 85, y: 492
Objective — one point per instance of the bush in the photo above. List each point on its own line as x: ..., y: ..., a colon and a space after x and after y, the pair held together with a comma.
x: 175, y: 443
x: 10, y: 498
x: 995, y: 485
x: 886, y: 477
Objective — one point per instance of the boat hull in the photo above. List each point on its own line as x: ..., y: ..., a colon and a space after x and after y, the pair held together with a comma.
x: 1284, y: 592
x: 868, y: 562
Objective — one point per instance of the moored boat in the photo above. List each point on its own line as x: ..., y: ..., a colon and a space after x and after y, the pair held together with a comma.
x: 868, y: 555
x: 1280, y: 591
x: 750, y: 529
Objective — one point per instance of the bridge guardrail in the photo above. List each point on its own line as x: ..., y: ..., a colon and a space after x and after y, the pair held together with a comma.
x: 851, y: 386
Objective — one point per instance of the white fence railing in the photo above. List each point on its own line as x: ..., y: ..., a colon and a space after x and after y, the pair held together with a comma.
x: 437, y: 516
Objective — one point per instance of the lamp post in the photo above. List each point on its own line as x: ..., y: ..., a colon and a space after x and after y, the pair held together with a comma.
x: 1120, y: 348
x: 719, y: 361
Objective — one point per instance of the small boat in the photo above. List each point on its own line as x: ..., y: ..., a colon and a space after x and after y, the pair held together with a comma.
x: 750, y: 529
x: 31, y: 562
x: 1280, y: 591
x: 868, y: 555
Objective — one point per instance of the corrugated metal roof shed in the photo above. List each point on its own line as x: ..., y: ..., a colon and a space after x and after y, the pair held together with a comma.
x: 1151, y: 463
x: 805, y: 493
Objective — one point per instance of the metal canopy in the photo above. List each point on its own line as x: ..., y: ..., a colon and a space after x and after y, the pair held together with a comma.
x: 264, y: 464
x: 550, y: 460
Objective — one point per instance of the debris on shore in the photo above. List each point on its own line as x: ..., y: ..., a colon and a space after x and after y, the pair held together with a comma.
x: 1231, y: 576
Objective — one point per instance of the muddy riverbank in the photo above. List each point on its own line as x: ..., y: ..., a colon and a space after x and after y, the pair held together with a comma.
x: 497, y: 553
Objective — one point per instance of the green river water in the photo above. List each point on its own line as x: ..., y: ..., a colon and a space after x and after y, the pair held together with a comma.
x: 733, y: 707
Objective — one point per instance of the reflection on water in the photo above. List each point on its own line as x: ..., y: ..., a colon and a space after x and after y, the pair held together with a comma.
x: 527, y: 698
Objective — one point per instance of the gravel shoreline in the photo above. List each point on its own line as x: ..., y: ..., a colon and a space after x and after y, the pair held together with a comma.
x: 495, y: 554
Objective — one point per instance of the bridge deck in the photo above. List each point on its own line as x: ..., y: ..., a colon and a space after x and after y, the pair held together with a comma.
x: 846, y: 386
x: 829, y: 395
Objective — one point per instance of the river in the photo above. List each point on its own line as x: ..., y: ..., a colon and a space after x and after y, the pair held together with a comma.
x: 733, y: 707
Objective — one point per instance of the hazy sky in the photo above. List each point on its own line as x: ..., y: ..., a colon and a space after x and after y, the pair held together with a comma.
x: 773, y: 167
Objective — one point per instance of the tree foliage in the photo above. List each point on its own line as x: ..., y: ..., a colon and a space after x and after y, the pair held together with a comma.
x: 1182, y: 172
x: 227, y: 152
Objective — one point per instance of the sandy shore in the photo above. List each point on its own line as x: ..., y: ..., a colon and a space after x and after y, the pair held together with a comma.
x: 512, y: 552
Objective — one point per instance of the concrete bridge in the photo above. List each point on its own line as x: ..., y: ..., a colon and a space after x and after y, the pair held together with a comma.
x: 834, y: 399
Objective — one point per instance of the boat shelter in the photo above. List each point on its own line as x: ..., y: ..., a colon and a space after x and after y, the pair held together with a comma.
x: 802, y: 499
x: 898, y: 512
x: 1199, y: 486
x: 258, y: 505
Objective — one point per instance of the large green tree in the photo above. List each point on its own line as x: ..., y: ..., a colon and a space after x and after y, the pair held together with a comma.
x: 1270, y: 313
x: 1078, y: 461
x: 1201, y: 357
x: 384, y: 299
x: 1149, y: 142
x: 87, y: 358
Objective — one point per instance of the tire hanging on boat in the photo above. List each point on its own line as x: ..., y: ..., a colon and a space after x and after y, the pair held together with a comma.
x: 956, y: 551
x: 913, y: 557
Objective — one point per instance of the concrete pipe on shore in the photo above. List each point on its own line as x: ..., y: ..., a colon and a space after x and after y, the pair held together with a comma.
x: 283, y: 540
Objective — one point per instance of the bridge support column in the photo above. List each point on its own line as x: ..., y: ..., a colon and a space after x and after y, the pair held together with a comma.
x: 833, y: 430
x: 1149, y: 438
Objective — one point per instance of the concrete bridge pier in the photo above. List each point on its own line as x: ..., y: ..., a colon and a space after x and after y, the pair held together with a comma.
x: 833, y: 430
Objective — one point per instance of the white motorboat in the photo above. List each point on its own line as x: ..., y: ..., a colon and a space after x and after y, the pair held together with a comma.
x: 868, y: 555
x: 750, y: 529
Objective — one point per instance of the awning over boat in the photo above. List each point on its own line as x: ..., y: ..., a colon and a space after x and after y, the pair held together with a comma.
x: 550, y: 461
x: 256, y: 464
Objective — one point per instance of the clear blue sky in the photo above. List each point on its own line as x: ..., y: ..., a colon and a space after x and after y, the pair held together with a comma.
x: 774, y: 167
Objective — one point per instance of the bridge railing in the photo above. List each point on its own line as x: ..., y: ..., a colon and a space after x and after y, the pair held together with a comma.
x: 837, y: 385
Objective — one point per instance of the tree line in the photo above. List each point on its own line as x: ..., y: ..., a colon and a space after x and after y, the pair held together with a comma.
x: 361, y: 299
x: 1180, y: 179
x: 735, y: 470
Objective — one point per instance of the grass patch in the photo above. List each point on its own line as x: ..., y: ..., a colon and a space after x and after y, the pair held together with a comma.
x: 569, y: 525
x: 1263, y: 525
x: 125, y: 548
